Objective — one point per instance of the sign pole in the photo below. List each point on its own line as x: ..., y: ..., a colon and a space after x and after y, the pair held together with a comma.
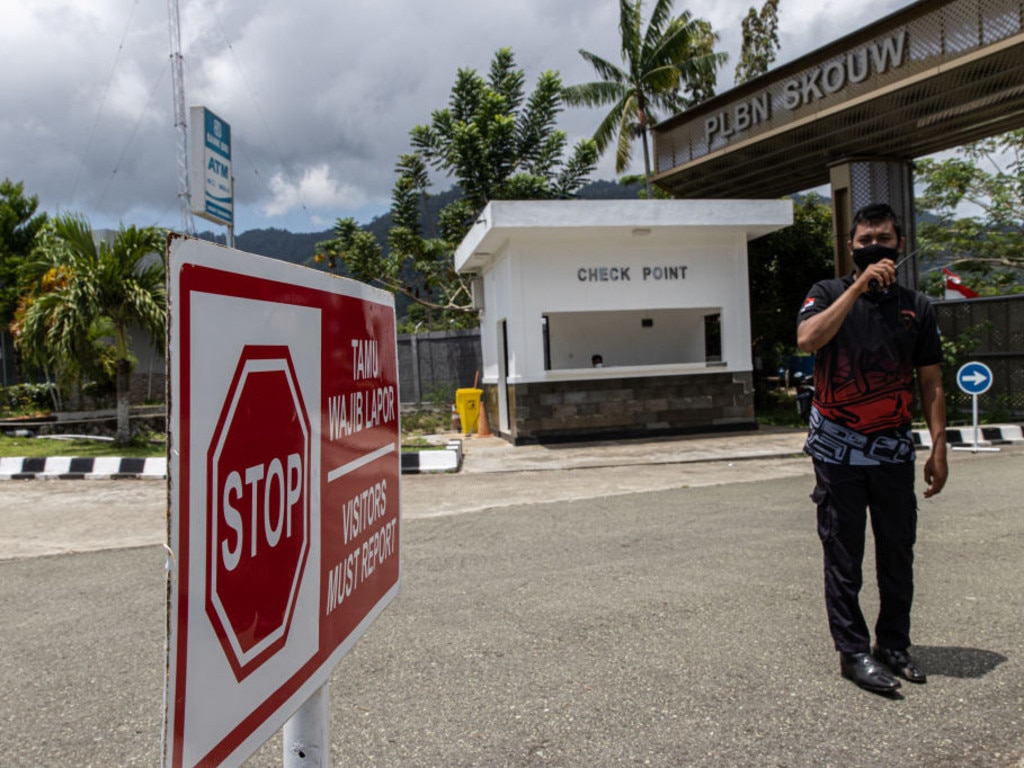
x: 307, y: 737
x: 974, y: 414
x: 974, y: 379
x: 975, y: 448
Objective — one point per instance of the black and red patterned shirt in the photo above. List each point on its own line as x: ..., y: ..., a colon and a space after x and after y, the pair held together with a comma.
x: 864, y: 376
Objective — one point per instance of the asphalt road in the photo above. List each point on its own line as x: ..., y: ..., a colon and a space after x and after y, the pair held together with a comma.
x: 676, y: 627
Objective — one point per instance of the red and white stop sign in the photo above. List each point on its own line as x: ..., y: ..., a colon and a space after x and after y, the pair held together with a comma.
x: 283, y: 488
x: 258, y: 497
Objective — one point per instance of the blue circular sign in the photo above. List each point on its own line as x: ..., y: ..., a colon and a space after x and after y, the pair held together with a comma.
x: 974, y: 378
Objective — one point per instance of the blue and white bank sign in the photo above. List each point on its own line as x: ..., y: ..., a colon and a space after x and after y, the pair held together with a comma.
x: 974, y: 378
x: 211, y: 180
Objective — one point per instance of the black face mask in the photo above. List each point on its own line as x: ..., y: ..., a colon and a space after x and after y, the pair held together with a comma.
x: 872, y: 254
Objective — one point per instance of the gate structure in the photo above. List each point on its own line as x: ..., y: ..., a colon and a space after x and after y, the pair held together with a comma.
x: 856, y: 113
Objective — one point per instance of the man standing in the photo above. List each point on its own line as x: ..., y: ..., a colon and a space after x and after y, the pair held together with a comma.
x: 870, y: 335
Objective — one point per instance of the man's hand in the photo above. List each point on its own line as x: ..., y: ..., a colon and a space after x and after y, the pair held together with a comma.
x: 933, y: 405
x: 881, y: 272
x: 936, y: 470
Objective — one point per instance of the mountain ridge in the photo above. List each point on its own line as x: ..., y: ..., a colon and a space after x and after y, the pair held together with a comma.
x: 299, y: 247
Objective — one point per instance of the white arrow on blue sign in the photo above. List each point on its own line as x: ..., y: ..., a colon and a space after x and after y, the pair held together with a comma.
x: 974, y: 378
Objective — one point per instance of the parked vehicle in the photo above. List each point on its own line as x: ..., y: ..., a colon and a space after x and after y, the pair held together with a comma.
x: 804, y: 385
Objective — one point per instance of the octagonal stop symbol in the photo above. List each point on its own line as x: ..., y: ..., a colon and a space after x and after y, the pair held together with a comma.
x: 258, y: 500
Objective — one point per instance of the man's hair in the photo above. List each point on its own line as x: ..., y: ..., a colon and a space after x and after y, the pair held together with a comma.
x: 873, y: 214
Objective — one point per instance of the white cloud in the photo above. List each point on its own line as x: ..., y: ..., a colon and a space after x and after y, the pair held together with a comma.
x: 320, y: 95
x: 315, y: 191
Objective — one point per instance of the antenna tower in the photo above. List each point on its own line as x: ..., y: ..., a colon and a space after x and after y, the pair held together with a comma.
x: 180, y: 118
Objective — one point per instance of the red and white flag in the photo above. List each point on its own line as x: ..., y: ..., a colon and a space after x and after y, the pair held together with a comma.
x: 955, y: 289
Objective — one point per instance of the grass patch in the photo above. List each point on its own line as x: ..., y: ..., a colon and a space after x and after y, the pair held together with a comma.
x: 143, y: 446
x: 416, y: 426
x: 421, y: 445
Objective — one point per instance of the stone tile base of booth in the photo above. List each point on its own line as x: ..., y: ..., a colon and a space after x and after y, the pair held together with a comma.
x: 604, y: 409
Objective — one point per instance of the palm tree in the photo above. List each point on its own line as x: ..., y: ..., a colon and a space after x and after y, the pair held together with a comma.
x: 85, y: 287
x: 669, y: 67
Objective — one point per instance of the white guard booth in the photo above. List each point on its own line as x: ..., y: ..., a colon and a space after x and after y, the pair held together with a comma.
x: 656, y: 288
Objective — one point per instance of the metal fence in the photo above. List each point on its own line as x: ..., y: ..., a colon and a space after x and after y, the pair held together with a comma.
x: 431, y: 366
x: 989, y: 330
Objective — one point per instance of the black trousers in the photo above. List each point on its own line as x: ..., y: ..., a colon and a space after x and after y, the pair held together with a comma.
x: 844, y: 494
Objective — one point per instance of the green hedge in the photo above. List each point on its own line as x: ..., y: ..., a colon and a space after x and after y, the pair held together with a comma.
x: 25, y: 398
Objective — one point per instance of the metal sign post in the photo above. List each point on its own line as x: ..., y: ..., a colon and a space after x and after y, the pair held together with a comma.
x: 307, y: 738
x: 974, y: 379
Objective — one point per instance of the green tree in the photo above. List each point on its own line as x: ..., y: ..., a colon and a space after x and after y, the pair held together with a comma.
x: 782, y: 266
x: 760, y: 42
x: 496, y: 143
x: 976, y: 199
x: 19, y: 224
x: 86, y: 291
x: 665, y: 69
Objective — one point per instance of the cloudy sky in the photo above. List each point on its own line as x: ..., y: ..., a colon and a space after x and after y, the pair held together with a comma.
x: 320, y: 94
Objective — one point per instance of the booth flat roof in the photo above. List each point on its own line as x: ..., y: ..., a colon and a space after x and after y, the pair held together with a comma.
x: 503, y: 219
x: 935, y: 75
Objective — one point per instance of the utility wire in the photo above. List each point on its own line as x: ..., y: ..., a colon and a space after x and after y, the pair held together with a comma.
x: 135, y: 130
x: 103, y: 100
x: 266, y: 125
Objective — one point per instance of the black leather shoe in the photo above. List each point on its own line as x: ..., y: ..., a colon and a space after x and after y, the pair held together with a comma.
x: 901, y: 664
x: 865, y: 671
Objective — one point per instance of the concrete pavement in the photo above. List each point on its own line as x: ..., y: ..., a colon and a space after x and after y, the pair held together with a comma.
x: 609, y: 613
x: 44, y: 517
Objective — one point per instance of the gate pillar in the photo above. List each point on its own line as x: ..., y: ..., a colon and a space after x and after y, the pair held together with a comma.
x: 857, y: 182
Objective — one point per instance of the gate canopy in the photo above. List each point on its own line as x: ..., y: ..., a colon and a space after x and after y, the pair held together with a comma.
x: 932, y: 76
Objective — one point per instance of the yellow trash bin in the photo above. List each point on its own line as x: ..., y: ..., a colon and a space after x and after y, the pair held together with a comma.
x: 467, y: 403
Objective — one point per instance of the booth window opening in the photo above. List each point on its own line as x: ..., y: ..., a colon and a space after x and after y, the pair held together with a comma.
x: 619, y: 338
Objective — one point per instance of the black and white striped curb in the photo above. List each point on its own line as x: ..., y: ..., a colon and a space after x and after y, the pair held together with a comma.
x: 447, y: 460
x: 988, y: 434
x: 113, y: 468
x: 82, y: 468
